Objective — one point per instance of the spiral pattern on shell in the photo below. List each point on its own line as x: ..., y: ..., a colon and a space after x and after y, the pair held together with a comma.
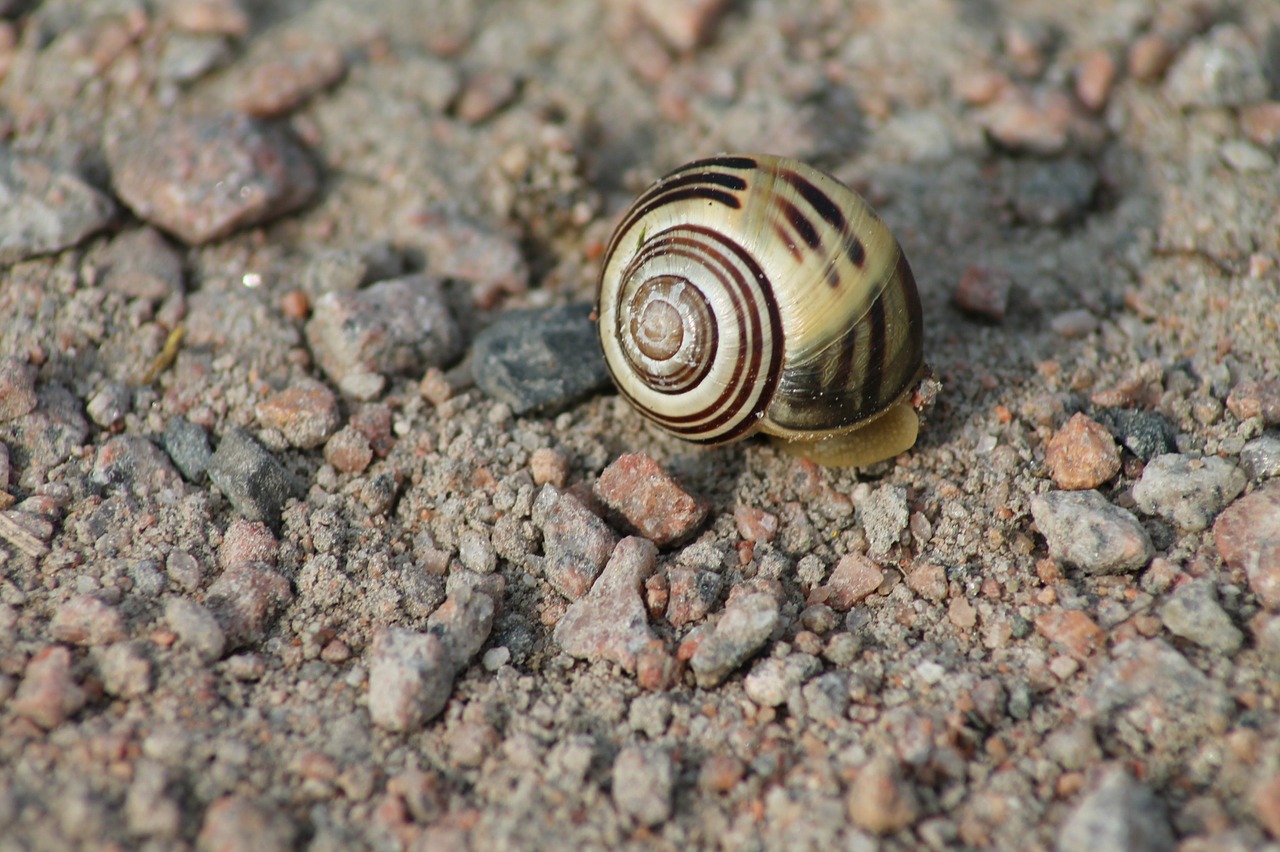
x: 748, y: 292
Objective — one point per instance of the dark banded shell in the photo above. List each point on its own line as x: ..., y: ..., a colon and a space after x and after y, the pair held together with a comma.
x: 755, y: 293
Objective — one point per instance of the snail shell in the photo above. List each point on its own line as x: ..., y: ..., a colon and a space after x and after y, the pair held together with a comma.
x: 752, y: 293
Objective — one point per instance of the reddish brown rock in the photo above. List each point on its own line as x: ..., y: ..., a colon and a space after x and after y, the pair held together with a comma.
x: 683, y: 24
x: 1082, y: 455
x: 1266, y: 805
x: 928, y: 581
x: 87, y: 620
x: 755, y: 524
x: 247, y: 541
x: 306, y: 413
x: 854, y: 578
x: 294, y: 74
x: 649, y: 501
x: 1261, y: 123
x: 1256, y: 399
x: 245, y: 600
x: 348, y: 451
x: 880, y: 800
x: 1149, y: 57
x: 235, y: 823
x: 1095, y: 75
x: 691, y: 594
x: 1073, y: 630
x: 984, y: 292
x: 1248, y: 537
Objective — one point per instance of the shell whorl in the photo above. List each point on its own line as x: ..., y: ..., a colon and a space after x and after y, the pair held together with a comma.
x: 742, y: 293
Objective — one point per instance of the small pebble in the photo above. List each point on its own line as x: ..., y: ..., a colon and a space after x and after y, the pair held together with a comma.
x: 754, y: 524
x: 464, y: 621
x: 1246, y: 158
x: 108, y: 406
x: 17, y: 389
x: 395, y: 327
x: 1146, y: 434
x: 126, y: 671
x: 720, y: 773
x: 1084, y: 529
x: 247, y: 541
x: 44, y: 210
x: 235, y: 822
x: 741, y: 631
x: 348, y: 451
x: 854, y: 578
x: 928, y: 580
x: 880, y: 800
x: 1082, y: 455
x: 183, y: 570
x: 488, y: 259
x: 484, y: 94
x: 254, y: 482
x: 48, y: 694
x: 188, y: 445
x: 1035, y: 122
x: 885, y: 516
x: 1220, y: 69
x: 496, y: 658
x: 172, y: 172
x: 611, y: 623
x: 306, y: 413
x: 196, y: 628
x: 1078, y: 635
x: 293, y: 74
x: 134, y: 462
x: 245, y: 599
x: 548, y: 465
x: 186, y: 57
x: 1149, y: 57
x: 142, y: 265
x: 771, y: 681
x: 984, y: 292
x: 1187, y: 491
x: 1256, y: 399
x: 410, y: 678
x: 643, y: 782
x: 540, y: 360
x: 1119, y: 814
x: 1260, y: 458
x: 1193, y: 613
x: 476, y: 553
x: 1095, y: 75
x: 1247, y: 534
x: 576, y: 542
x: 1260, y: 122
x: 87, y: 620
x: 1052, y: 194
x: 1266, y: 804
x: 1075, y: 324
x: 692, y: 593
x: 649, y: 501
x: 220, y: 17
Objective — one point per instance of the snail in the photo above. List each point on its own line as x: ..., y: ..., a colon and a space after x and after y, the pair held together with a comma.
x: 752, y: 293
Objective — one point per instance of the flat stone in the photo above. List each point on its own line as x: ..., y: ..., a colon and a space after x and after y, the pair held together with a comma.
x: 253, y: 481
x: 1247, y: 534
x: 202, y: 177
x: 45, y: 210
x: 854, y: 578
x: 541, y: 360
x: 1144, y: 433
x: 1082, y: 455
x: 1084, y: 529
x: 1193, y: 613
x: 400, y: 326
x: 1118, y: 814
x: 1186, y: 490
x: 611, y: 622
x: 741, y: 631
x: 648, y: 501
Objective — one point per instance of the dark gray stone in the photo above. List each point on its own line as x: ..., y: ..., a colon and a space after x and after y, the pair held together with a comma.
x: 1146, y: 434
x: 256, y: 484
x: 540, y: 360
x: 1051, y: 193
x: 188, y: 445
x: 1120, y: 814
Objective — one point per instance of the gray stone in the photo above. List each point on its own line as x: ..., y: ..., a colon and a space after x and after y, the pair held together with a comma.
x: 740, y: 633
x: 188, y: 445
x: 1146, y: 434
x: 1186, y: 490
x: 884, y: 516
x: 125, y: 669
x: 576, y: 542
x: 771, y: 681
x: 826, y: 697
x: 410, y: 678
x: 1053, y: 192
x: 464, y: 622
x: 1193, y: 612
x: 245, y: 599
x: 109, y: 404
x: 141, y: 264
x: 134, y: 462
x: 611, y: 623
x: 1260, y: 458
x: 541, y: 360
x: 1221, y: 69
x: 1119, y: 814
x: 1084, y: 529
x: 196, y: 628
x: 396, y: 327
x: 643, y: 781
x: 45, y: 210
x: 254, y: 482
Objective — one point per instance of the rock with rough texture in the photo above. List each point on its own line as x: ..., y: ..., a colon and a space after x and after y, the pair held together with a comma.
x: 854, y: 578
x: 541, y: 360
x: 1248, y: 537
x: 410, y: 678
x: 576, y: 542
x: 463, y: 621
x: 489, y: 260
x: 125, y: 670
x: 246, y: 599
x: 306, y: 413
x: 1256, y: 399
x: 142, y: 265
x: 396, y: 327
x: 48, y: 694
x: 45, y: 210
x: 1188, y: 491
x: 1260, y: 458
x: 1222, y: 69
x: 1084, y: 529
x: 1072, y: 630
x: 1119, y: 814
x: 235, y: 822
x: 87, y: 620
x: 17, y: 389
x: 196, y: 628
x: 649, y: 501
x: 188, y: 445
x: 134, y: 462
x: 611, y: 622
x: 741, y: 631
x: 884, y: 516
x: 201, y: 177
x: 1146, y: 434
x: 253, y: 481
x: 771, y: 681
x: 1082, y: 455
x: 643, y: 781
x: 691, y: 593
x: 1193, y: 612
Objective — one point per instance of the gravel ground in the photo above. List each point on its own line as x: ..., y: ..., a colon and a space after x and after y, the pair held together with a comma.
x: 321, y: 528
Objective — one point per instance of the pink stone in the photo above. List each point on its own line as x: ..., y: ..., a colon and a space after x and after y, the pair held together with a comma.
x: 854, y: 578
x: 1248, y: 537
x: 649, y: 501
